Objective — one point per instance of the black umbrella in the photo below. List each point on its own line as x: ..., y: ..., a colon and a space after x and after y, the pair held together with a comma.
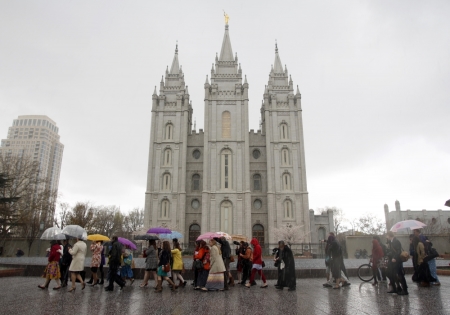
x: 447, y: 203
x: 146, y: 237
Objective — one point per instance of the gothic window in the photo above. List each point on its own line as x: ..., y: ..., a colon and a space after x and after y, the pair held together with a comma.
x: 288, y: 214
x: 194, y: 233
x: 226, y: 169
x: 196, y: 182
x: 165, y: 208
x: 226, y: 219
x: 286, y: 181
x: 284, y: 131
x: 226, y: 125
x: 285, y: 157
x: 166, y: 181
x: 169, y: 132
x: 167, y: 157
x: 256, y: 182
x: 258, y: 233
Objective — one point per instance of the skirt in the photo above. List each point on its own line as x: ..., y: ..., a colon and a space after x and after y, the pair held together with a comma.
x: 126, y: 272
x: 161, y: 272
x: 52, y: 271
x: 215, y: 281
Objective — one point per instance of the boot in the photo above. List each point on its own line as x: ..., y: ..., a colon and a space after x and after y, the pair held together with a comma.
x: 91, y: 280
x: 173, y: 285
x: 231, y: 283
x: 159, y: 286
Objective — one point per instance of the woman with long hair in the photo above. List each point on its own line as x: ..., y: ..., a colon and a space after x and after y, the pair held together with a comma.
x: 377, y: 255
x: 96, y: 249
x: 151, y: 264
x: 216, y: 272
x: 52, y: 271
x: 164, y: 260
x: 178, y: 267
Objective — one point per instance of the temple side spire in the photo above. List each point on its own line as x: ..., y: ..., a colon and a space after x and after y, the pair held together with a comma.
x: 175, y: 69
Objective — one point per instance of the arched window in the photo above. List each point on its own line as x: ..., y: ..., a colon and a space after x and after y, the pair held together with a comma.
x: 167, y: 157
x: 286, y: 181
x: 285, y: 157
x: 258, y: 233
x: 226, y: 125
x: 256, y: 182
x: 169, y: 132
x: 321, y: 233
x: 194, y: 233
x: 226, y: 217
x: 166, y: 181
x: 196, y: 182
x: 165, y: 209
x: 284, y: 131
x: 226, y: 169
x: 288, y: 213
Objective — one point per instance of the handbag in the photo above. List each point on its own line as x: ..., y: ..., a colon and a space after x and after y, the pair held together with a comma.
x: 198, y: 264
x: 404, y: 256
x: 166, y: 268
x: 231, y: 258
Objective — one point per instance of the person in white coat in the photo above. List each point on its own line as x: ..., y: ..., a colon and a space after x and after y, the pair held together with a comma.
x: 78, y: 252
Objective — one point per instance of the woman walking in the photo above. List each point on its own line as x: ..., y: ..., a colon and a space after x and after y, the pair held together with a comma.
x: 377, y: 255
x: 335, y: 253
x: 78, y: 252
x: 178, y: 267
x: 126, y: 271
x: 423, y: 270
x: 240, y: 262
x: 151, y: 264
x: 96, y: 249
x: 52, y: 271
x: 202, y: 259
x: 164, y: 261
x: 216, y: 272
x: 257, y: 264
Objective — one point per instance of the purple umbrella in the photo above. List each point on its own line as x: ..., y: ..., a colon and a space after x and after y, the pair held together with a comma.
x: 159, y: 230
x: 126, y: 242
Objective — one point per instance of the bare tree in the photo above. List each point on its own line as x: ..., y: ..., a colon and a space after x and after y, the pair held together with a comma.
x: 134, y: 221
x: 82, y: 214
x: 338, y: 218
x: 60, y: 219
x: 370, y: 224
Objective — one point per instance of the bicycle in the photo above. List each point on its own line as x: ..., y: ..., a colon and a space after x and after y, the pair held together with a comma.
x: 365, y: 270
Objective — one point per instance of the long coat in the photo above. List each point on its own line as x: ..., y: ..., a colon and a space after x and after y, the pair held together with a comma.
x: 217, y: 264
x: 286, y: 276
x: 177, y: 260
x: 78, y: 252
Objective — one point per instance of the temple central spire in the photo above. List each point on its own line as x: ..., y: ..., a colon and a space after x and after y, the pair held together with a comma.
x: 226, y: 53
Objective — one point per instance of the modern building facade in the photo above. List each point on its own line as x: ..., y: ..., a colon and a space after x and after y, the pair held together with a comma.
x: 36, y: 136
x: 225, y: 177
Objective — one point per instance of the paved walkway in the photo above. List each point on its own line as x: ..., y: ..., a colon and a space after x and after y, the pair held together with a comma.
x: 20, y: 295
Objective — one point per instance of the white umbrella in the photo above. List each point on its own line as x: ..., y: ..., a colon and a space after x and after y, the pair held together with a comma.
x: 408, y: 224
x: 75, y: 231
x: 50, y: 233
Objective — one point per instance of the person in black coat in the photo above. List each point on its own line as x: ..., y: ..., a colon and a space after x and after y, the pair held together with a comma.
x: 115, y: 254
x: 64, y: 263
x: 226, y: 253
x: 286, y: 267
x: 395, y: 266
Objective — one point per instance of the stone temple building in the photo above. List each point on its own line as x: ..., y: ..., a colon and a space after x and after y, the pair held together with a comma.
x: 225, y: 177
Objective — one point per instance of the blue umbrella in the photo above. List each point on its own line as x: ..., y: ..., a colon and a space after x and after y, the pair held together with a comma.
x: 172, y: 235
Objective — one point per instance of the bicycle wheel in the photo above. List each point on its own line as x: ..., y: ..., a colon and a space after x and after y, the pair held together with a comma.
x: 365, y: 272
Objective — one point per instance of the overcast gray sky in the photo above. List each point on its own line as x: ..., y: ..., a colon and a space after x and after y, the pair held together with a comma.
x: 374, y: 78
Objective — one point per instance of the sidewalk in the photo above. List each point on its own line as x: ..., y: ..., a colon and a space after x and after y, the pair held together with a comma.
x: 20, y: 295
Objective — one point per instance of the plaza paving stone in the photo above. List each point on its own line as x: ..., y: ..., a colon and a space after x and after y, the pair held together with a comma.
x: 20, y: 295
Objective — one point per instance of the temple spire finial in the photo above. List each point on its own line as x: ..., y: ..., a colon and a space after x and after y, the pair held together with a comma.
x: 277, y: 66
x: 226, y: 53
x: 175, y: 68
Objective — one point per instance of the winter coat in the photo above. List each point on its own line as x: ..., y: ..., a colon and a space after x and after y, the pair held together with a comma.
x: 151, y: 261
x: 377, y: 251
x: 78, y: 252
x: 201, y: 253
x: 164, y: 258
x: 257, y: 252
x: 54, y: 253
x: 217, y: 264
x: 420, y: 250
x: 177, y: 260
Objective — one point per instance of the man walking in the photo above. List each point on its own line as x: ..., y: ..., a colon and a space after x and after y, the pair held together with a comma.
x: 114, y: 264
x: 226, y: 253
x: 395, y: 266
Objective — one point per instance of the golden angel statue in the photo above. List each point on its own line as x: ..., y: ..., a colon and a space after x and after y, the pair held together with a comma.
x: 226, y: 17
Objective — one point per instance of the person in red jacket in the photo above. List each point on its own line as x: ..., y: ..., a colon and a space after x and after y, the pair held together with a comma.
x: 52, y: 270
x: 257, y: 264
x: 377, y: 255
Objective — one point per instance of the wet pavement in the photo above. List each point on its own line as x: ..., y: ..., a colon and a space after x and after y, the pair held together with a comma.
x: 20, y: 295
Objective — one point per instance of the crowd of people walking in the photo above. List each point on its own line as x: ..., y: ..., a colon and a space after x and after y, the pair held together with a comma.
x: 211, y: 264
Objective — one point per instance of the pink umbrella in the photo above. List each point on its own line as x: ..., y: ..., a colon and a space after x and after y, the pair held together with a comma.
x: 407, y: 224
x: 126, y: 242
x: 208, y: 235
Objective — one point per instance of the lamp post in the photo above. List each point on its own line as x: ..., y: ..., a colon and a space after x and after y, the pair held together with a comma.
x: 41, y: 229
